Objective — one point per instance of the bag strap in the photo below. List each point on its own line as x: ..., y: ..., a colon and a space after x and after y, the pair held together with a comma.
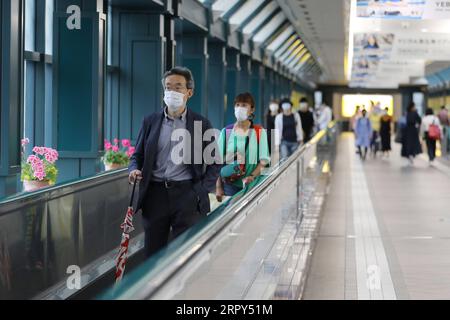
x: 229, y: 128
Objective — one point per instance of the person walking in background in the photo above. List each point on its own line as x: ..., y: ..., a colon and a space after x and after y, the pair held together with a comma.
x: 375, y: 121
x: 353, y: 121
x: 443, y: 117
x: 431, y: 131
x: 307, y: 119
x: 325, y: 116
x: 445, y: 122
x: 274, y: 110
x: 288, y: 130
x: 363, y: 130
x: 410, y: 140
x: 355, y: 118
x: 385, y: 132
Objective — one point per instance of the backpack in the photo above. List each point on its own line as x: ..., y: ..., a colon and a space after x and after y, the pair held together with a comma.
x: 434, y: 132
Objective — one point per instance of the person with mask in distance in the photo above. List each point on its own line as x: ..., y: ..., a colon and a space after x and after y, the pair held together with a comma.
x: 325, y: 116
x: 288, y: 130
x: 244, y: 149
x: 173, y: 193
x: 307, y: 119
x: 274, y: 110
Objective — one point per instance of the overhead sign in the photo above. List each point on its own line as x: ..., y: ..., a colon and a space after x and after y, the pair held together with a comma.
x: 425, y: 46
x: 403, y: 9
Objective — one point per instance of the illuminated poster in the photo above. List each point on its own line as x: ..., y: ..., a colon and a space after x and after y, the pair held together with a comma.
x: 365, y: 101
x: 370, y: 50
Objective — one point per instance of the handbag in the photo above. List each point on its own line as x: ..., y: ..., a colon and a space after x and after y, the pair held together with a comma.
x: 434, y: 132
x: 235, y: 171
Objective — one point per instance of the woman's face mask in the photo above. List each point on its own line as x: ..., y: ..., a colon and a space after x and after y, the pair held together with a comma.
x: 286, y: 106
x: 303, y: 106
x: 174, y: 100
x: 274, y: 107
x: 241, y: 113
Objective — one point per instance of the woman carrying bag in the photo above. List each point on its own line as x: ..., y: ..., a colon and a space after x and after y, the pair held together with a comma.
x: 431, y: 131
x: 244, y: 149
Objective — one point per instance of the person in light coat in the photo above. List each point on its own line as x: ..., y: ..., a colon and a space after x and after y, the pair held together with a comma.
x: 288, y: 130
x: 363, y: 132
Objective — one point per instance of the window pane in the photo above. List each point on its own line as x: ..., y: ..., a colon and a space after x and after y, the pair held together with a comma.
x: 30, y: 22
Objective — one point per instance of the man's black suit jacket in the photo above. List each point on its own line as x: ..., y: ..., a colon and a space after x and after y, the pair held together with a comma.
x: 204, y: 176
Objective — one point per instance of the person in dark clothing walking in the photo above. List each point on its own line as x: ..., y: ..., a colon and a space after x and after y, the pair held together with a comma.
x: 385, y: 132
x: 173, y: 194
x: 410, y: 140
x: 307, y: 118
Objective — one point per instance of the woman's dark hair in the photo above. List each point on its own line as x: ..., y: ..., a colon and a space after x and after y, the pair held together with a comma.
x: 303, y: 100
x: 364, y: 112
x: 181, y: 71
x: 245, y: 97
x: 429, y: 112
x: 285, y: 100
x: 411, y: 106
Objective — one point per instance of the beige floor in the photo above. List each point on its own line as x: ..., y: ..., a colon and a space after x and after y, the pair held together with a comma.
x: 411, y: 218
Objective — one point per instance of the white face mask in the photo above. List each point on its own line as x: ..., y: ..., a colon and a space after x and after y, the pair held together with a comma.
x: 241, y: 113
x: 286, y: 106
x: 303, y: 106
x: 274, y: 107
x: 174, y: 100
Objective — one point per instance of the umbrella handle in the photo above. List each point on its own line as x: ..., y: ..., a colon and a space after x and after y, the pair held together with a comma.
x: 132, y: 194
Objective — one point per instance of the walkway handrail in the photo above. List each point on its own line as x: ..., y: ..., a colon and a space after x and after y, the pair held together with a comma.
x: 164, y: 265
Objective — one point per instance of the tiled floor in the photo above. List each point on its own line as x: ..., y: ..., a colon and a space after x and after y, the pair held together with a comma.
x: 385, y: 231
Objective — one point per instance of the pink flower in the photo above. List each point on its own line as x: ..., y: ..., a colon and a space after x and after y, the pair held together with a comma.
x: 25, y: 141
x: 131, y: 151
x: 50, y: 158
x: 39, y: 175
x: 108, y: 146
x: 115, y: 149
x: 32, y: 159
x: 39, y: 150
x: 116, y: 141
x: 126, y: 143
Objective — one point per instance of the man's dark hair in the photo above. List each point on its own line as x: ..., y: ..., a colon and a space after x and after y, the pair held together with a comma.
x: 181, y: 71
x: 429, y: 112
x: 303, y: 100
x: 443, y: 107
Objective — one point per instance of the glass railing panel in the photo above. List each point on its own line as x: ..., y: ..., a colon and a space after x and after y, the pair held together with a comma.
x: 212, y: 247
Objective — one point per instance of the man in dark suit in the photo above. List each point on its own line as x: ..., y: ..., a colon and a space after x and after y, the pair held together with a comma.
x: 173, y: 194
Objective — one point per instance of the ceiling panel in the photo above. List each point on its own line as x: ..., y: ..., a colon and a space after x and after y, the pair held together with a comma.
x: 322, y: 26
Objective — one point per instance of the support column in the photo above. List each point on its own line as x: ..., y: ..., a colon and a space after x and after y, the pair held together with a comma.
x: 244, y: 84
x: 11, y: 62
x: 194, y: 52
x: 233, y: 85
x: 257, y: 91
x: 217, y: 72
x: 78, y: 84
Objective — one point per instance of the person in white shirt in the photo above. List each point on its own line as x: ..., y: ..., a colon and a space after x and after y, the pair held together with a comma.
x: 431, y: 135
x: 288, y: 130
x: 325, y: 116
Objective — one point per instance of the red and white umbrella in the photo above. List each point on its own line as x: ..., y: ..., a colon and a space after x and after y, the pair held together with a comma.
x: 127, y: 227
